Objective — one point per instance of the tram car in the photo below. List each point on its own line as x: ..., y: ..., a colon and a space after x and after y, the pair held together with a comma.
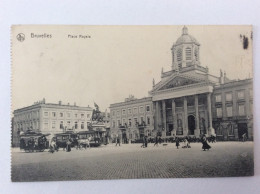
x: 34, y: 142
x: 62, y: 138
x: 89, y: 138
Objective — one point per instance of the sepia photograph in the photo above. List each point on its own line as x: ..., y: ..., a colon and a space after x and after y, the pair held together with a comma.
x: 107, y: 102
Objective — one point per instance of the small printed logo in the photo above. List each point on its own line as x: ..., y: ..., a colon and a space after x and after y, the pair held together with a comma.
x: 20, y: 37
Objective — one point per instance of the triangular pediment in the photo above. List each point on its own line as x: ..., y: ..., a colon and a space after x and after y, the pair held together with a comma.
x: 178, y: 81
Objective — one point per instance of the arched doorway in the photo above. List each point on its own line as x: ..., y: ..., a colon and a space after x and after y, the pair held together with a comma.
x: 191, y: 124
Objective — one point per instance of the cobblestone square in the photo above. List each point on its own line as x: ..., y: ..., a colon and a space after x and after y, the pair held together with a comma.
x: 133, y: 162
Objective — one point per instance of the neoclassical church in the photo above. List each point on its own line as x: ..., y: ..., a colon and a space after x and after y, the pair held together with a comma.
x: 188, y: 101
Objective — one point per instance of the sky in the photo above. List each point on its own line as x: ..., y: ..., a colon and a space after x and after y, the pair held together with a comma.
x: 112, y: 62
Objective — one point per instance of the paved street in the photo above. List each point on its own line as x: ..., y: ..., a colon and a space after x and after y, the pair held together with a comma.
x: 132, y: 161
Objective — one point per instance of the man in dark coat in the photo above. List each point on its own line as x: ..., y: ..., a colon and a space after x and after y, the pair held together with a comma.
x: 177, y: 142
x: 69, y: 145
x: 145, y: 142
x: 156, y: 141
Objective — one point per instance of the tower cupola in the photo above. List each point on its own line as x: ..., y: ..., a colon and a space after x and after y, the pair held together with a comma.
x: 185, y: 51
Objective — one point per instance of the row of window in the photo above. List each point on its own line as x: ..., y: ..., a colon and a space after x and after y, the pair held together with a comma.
x: 229, y: 96
x: 61, y: 115
x: 131, y: 122
x: 188, y: 54
x: 66, y: 125
x: 129, y: 110
x: 28, y: 115
x: 27, y: 125
x: 229, y: 111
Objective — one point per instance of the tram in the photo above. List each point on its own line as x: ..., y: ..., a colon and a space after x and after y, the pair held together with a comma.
x: 32, y: 141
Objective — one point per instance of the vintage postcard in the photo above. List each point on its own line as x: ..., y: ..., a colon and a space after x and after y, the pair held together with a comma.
x: 130, y: 102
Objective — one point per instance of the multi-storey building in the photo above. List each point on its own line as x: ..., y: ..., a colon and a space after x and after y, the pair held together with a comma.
x: 190, y: 101
x: 232, y: 109
x: 132, y: 119
x: 50, y: 118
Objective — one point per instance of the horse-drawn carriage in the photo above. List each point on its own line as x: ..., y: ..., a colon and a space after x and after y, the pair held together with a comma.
x: 88, y: 139
x: 62, y: 139
x: 32, y: 141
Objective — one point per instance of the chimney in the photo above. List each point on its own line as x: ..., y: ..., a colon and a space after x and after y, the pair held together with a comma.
x: 75, y: 104
x: 68, y: 103
x: 60, y: 102
x: 43, y: 101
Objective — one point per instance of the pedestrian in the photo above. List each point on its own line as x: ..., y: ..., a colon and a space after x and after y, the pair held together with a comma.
x: 52, y: 146
x: 184, y: 143
x: 244, y: 137
x: 156, y: 141
x: 88, y: 142
x: 117, y: 140
x: 160, y: 140
x: 145, y: 141
x: 205, y: 145
x: 188, y: 142
x: 77, y: 143
x: 68, y: 145
x: 31, y: 144
x: 177, y: 142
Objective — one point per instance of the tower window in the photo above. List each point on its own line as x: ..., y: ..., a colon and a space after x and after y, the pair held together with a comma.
x: 179, y: 55
x: 188, y: 53
x: 179, y: 58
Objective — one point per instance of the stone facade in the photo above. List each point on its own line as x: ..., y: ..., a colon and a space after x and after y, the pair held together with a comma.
x: 132, y: 119
x: 232, y: 109
x: 188, y: 101
x: 50, y: 118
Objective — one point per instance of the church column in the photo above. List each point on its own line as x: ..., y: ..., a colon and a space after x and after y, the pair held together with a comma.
x: 210, y: 130
x: 185, y: 131
x: 156, y: 116
x: 164, y: 118
x: 174, y: 117
x: 197, y: 130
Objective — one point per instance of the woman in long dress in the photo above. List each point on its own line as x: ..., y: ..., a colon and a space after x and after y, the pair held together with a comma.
x: 205, y: 145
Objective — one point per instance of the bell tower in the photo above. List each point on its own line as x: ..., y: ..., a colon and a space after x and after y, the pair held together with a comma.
x: 185, y: 52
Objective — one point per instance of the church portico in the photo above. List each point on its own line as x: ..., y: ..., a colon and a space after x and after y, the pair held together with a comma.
x: 183, y: 116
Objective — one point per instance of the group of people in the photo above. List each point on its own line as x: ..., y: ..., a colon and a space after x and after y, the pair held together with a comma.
x: 34, y: 143
x: 78, y: 144
x: 185, y: 142
x: 53, y: 146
